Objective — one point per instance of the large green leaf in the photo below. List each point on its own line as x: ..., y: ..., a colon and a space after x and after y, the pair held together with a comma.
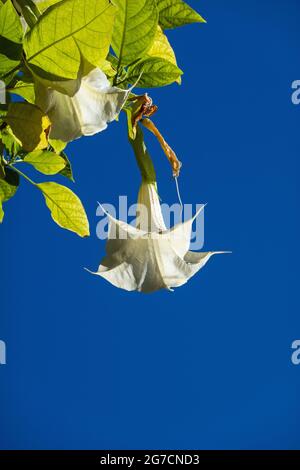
x: 153, y: 72
x: 134, y: 29
x: 174, y: 13
x: 44, y: 4
x: 48, y: 163
x: 29, y: 125
x: 11, y: 34
x: 68, y: 30
x: 65, y: 207
x: 10, y: 24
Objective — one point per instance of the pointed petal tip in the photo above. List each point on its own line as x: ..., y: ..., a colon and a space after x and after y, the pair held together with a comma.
x: 169, y: 289
x: 89, y: 271
x: 105, y: 211
x: 199, y: 211
x: 220, y: 252
x: 99, y: 204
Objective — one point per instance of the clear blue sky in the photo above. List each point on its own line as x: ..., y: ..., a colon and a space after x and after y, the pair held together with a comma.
x: 91, y: 366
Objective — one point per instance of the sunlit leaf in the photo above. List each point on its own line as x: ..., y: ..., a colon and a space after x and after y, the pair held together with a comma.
x: 8, y: 188
x: 162, y: 48
x: 29, y: 125
x: 25, y: 90
x: 57, y: 145
x: 153, y: 72
x: 44, y: 4
x: 48, y: 163
x: 10, y: 25
x: 65, y: 207
x: 174, y: 13
x: 67, y: 170
x: 134, y: 29
x: 68, y: 30
x: 11, y: 143
x: 11, y: 34
x: 108, y: 69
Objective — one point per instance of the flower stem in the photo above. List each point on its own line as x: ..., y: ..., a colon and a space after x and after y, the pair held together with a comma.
x: 142, y: 156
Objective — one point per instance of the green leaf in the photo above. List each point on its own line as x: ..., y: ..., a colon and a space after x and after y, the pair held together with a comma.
x: 2, y: 170
x: 58, y: 145
x: 155, y: 72
x: 108, y: 69
x: 65, y: 207
x: 67, y: 171
x: 10, y: 141
x: 65, y: 32
x: 11, y: 34
x: 48, y: 163
x: 9, y: 185
x: 134, y: 29
x: 1, y: 213
x: 29, y: 11
x: 43, y: 5
x: 10, y: 24
x: 29, y: 125
x: 174, y: 13
x: 25, y: 90
x: 162, y: 48
x: 113, y: 60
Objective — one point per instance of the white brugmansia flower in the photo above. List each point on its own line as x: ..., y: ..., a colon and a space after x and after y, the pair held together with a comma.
x: 88, y: 111
x: 141, y: 260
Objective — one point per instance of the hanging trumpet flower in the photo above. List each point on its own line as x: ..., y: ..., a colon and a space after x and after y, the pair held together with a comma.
x: 149, y: 257
x: 93, y: 106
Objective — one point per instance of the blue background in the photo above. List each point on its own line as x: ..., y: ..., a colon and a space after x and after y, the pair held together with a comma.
x: 206, y: 367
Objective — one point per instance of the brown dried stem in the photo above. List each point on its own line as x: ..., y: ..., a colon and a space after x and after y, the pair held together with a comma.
x: 171, y: 155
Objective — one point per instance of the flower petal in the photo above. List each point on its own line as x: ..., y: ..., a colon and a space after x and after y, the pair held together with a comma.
x: 196, y: 260
x: 121, y: 276
x: 149, y: 214
x: 180, y: 234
